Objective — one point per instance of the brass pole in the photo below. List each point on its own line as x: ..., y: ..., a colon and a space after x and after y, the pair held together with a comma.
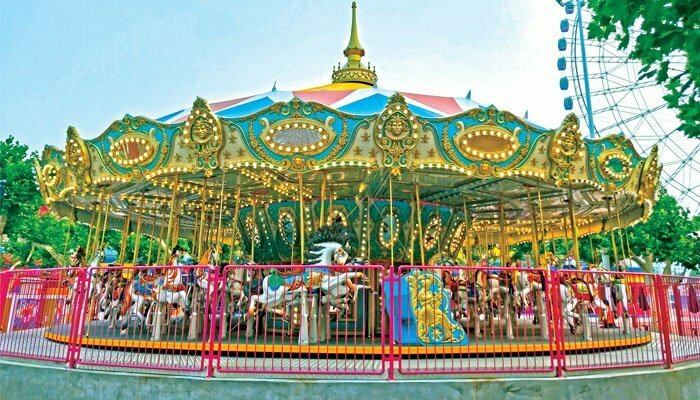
x: 330, y: 204
x: 104, y: 228
x: 502, y: 226
x: 195, y: 233
x: 301, y: 217
x: 92, y: 222
x: 234, y: 228
x: 210, y: 231
x: 566, y: 235
x: 160, y: 237
x: 65, y: 246
x: 612, y: 233
x: 125, y: 235
x: 323, y: 200
x: 619, y: 234
x: 219, y: 236
x: 150, y: 240
x: 369, y: 244
x: 467, y: 220
x: 252, y: 236
x: 420, y: 225
x: 98, y: 225
x: 533, y: 224
x: 544, y: 230
x: 138, y: 232
x: 201, y: 238
x: 172, y: 213
x: 574, y: 229
x: 391, y: 218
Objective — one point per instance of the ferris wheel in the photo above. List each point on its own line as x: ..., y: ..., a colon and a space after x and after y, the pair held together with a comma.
x: 603, y: 88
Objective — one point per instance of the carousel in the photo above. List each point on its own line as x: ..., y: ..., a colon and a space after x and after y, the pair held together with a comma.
x: 346, y: 174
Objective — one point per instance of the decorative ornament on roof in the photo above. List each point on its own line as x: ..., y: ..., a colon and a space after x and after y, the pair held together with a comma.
x: 354, y: 71
x: 566, y: 149
x: 203, y: 136
x: 77, y: 158
x: 396, y: 132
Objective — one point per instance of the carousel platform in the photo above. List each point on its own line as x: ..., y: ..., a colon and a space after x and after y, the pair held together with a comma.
x: 528, y: 341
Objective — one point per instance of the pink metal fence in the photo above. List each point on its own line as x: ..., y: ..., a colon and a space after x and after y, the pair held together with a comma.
x: 157, y: 319
x: 372, y: 322
x: 300, y: 320
x: 34, y: 303
x: 682, y: 296
x: 607, y: 319
x: 495, y: 321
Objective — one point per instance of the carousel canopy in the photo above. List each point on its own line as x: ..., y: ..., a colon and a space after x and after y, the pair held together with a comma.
x: 354, y: 153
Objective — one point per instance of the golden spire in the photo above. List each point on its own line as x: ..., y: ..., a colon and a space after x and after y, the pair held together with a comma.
x: 353, y: 70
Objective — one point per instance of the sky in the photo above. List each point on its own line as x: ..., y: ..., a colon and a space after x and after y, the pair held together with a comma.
x: 87, y: 64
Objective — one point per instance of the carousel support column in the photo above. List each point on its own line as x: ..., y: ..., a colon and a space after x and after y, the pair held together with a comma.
x: 574, y: 229
x: 323, y: 200
x: 150, y: 240
x: 542, y: 226
x: 160, y: 236
x: 412, y: 224
x: 420, y: 225
x: 139, y: 221
x: 468, y: 227
x: 126, y: 230
x: 304, y: 323
x: 65, y: 246
x: 210, y: 232
x: 565, y: 223
x: 619, y: 235
x: 106, y: 220
x: 373, y: 276
x: 92, y: 222
x: 195, y: 233
x: 92, y: 244
x: 202, y: 219
x: 171, y: 217
x: 219, y: 234
x: 234, y: 228
x: 508, y: 310
x: 533, y: 226
x: 612, y: 233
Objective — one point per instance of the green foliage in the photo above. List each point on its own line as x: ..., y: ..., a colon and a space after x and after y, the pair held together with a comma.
x: 667, y: 28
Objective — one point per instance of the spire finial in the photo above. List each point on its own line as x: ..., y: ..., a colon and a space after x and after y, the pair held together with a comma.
x: 354, y: 70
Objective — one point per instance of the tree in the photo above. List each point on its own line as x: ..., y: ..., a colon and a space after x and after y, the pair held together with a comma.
x: 667, y: 28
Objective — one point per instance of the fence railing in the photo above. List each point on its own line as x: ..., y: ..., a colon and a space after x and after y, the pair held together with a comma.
x: 349, y: 320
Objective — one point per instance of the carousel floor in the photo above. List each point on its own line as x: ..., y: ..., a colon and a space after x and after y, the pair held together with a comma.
x: 528, y: 341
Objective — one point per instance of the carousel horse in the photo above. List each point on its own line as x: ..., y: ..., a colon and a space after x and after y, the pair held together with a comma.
x: 164, y: 290
x: 467, y: 298
x: 578, y: 296
x: 530, y: 291
x: 199, y: 288
x: 496, y: 293
x: 326, y: 247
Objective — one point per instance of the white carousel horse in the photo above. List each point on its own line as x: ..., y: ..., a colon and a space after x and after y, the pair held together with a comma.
x: 530, y: 290
x: 166, y: 290
x: 326, y: 248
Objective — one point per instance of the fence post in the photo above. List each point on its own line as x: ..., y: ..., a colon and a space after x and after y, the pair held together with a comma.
x: 77, y: 315
x: 211, y: 311
x: 5, y: 278
x: 556, y: 324
x: 664, y: 319
x: 392, y: 312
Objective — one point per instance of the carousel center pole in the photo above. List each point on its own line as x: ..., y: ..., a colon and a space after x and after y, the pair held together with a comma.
x: 138, y: 232
x: 420, y: 225
x: 467, y: 226
x: 219, y: 235
x: 612, y: 233
x: 619, y: 234
x: 301, y: 217
x: 234, y: 223
x: 106, y: 219
x: 533, y: 226
x: 323, y: 200
x: 65, y: 246
x: 574, y: 229
x: 202, y: 219
x: 172, y: 215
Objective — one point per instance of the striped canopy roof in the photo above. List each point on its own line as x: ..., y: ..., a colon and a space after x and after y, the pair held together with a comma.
x: 351, y: 98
